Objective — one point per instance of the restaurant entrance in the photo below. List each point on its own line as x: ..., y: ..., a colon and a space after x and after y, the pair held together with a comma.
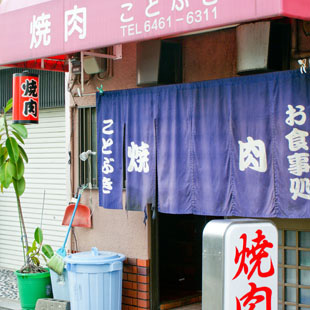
x: 180, y: 257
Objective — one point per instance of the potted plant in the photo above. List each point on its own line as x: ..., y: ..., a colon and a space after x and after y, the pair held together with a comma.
x: 33, y: 279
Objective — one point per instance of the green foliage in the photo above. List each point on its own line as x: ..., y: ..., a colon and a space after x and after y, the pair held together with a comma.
x: 12, y: 167
x: 20, y: 130
x: 23, y: 153
x: 19, y: 186
x: 8, y: 106
x: 39, y: 250
x: 47, y: 251
x: 12, y: 154
x: 20, y: 168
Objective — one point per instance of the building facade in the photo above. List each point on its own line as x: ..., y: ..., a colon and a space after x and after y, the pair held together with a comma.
x: 162, y: 246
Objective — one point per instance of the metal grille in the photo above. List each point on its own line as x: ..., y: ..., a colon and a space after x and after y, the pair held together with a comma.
x: 88, y: 141
x: 294, y: 270
x: 52, y: 87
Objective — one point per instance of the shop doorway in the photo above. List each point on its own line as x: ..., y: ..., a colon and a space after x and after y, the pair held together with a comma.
x: 180, y: 259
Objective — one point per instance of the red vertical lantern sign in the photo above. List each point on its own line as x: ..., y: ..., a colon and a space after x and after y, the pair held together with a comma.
x: 25, y: 98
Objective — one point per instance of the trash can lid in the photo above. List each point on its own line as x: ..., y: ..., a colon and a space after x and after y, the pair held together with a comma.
x: 93, y: 257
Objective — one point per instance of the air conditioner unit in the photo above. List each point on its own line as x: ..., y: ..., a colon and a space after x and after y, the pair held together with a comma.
x: 93, y: 65
x: 263, y: 46
x: 159, y: 62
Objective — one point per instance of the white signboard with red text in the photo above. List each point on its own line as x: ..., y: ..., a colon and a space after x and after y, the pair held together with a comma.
x: 251, y: 275
x: 240, y: 265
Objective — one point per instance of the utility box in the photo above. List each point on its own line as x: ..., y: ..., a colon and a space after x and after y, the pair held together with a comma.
x: 240, y: 265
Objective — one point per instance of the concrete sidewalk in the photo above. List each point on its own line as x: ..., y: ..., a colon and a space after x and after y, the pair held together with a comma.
x: 8, y: 284
x: 9, y: 304
x: 8, y: 291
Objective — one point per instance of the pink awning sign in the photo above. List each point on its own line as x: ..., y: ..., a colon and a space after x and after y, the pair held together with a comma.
x: 32, y: 29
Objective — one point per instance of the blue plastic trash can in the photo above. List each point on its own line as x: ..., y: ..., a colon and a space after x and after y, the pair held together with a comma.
x: 60, y: 285
x: 95, y: 280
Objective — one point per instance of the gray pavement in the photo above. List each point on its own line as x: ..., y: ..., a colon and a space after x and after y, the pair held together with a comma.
x: 9, y: 304
x: 8, y: 285
x: 8, y: 291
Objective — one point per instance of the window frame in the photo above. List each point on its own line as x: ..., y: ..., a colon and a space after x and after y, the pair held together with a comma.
x: 295, y: 226
x: 87, y: 140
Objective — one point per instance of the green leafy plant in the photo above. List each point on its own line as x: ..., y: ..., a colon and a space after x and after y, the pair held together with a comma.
x: 38, y: 249
x: 12, y: 166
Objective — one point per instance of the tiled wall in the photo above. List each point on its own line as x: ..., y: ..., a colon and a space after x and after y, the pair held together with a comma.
x: 136, y: 284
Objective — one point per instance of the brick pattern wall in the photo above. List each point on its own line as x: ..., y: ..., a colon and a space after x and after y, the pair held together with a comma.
x: 136, y: 284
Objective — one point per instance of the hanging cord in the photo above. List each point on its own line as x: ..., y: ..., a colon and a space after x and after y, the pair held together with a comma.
x: 75, y: 240
x: 43, y: 203
x: 90, y: 186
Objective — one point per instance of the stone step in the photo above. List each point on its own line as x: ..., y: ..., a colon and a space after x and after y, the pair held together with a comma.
x: 52, y: 304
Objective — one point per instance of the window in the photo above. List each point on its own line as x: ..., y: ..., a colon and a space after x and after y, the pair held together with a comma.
x: 88, y: 141
x: 294, y: 269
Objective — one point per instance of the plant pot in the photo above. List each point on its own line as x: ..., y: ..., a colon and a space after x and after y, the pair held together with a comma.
x: 33, y: 286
